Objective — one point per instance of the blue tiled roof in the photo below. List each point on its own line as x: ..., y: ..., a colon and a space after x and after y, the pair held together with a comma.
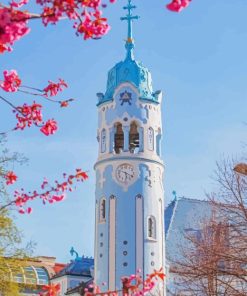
x: 80, y: 266
x: 131, y: 71
x: 169, y: 212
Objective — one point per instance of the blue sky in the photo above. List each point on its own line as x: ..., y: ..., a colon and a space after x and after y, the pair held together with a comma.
x: 197, y: 58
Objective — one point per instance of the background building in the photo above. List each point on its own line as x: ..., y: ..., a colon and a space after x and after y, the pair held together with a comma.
x: 35, y: 274
x: 183, y: 217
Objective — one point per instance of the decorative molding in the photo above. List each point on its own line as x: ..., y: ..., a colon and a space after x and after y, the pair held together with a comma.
x: 151, y: 178
x: 160, y: 177
x: 101, y: 178
x: 96, y: 247
x: 129, y: 157
x: 139, y: 230
x: 112, y: 243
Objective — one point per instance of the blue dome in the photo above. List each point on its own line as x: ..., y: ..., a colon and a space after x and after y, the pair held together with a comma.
x: 131, y: 71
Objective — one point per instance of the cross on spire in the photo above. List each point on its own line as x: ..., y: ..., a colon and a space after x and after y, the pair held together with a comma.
x: 129, y: 18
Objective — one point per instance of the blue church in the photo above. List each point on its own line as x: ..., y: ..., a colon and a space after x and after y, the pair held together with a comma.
x: 129, y: 220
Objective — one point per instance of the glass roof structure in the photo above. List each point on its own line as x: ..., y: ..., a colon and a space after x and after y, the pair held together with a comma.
x: 31, y: 275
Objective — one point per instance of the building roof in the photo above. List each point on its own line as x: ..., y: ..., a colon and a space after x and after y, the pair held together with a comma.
x: 80, y: 266
x: 59, y: 266
x: 181, y: 215
x: 131, y: 71
x: 33, y: 271
x: 30, y: 275
x: 169, y: 212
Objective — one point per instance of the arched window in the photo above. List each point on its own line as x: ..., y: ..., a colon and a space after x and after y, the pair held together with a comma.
x: 102, y: 209
x: 151, y: 227
x: 158, y: 142
x: 103, y: 140
x: 150, y: 139
x: 134, y: 138
x: 118, y: 138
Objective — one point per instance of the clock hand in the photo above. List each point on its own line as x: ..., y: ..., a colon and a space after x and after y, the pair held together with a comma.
x: 127, y: 174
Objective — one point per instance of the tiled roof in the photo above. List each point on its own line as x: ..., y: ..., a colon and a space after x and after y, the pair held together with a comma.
x: 80, y: 266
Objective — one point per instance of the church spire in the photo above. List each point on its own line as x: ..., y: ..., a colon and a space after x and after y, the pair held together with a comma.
x: 129, y: 45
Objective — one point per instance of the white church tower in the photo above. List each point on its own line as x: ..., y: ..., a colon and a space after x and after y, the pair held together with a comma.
x: 129, y: 223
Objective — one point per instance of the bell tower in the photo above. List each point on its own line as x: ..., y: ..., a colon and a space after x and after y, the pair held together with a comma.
x: 129, y: 210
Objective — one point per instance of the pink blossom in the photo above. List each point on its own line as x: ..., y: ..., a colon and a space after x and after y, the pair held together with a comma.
x: 28, y: 115
x: 44, y: 184
x: 11, y: 81
x: 49, y: 128
x: 10, y: 177
x: 18, y: 4
x: 53, y: 88
x: 178, y: 5
x: 4, y: 47
x: 29, y: 210
x: 52, y: 194
x: 21, y: 211
x: 58, y: 197
x: 93, y: 25
x: 13, y: 26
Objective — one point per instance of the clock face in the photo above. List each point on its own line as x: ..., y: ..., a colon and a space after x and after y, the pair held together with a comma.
x: 125, y: 173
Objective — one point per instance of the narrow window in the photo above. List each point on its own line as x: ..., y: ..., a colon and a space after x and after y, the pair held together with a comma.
x: 150, y: 139
x: 158, y: 142
x: 118, y: 138
x: 151, y: 227
x: 103, y: 140
x: 134, y: 138
x: 102, y: 214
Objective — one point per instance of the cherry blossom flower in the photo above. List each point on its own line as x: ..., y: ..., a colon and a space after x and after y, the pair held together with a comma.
x: 49, y: 128
x: 80, y: 175
x: 50, y: 290
x: 18, y: 4
x: 4, y: 47
x: 28, y: 115
x: 64, y: 104
x: 85, y: 14
x: 58, y: 197
x: 50, y: 193
x: 93, y: 26
x: 13, y: 26
x: 11, y: 81
x: 178, y: 5
x: 23, y: 211
x: 10, y: 177
x: 53, y: 88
